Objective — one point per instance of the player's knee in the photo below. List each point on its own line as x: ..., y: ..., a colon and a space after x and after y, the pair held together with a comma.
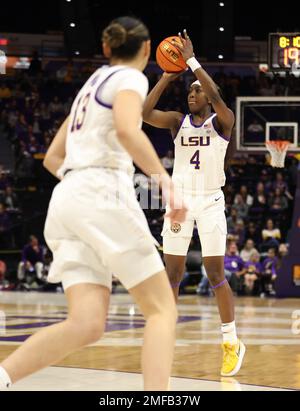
x: 215, y: 277
x: 164, y: 311
x: 170, y: 315
x: 175, y: 274
x: 87, y: 331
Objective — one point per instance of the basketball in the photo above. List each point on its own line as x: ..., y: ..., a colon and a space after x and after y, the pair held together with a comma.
x: 168, y: 57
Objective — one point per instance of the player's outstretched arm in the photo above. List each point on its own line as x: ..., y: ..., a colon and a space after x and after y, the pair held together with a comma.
x: 57, y: 151
x: 225, y: 116
x: 127, y: 110
x: 158, y: 118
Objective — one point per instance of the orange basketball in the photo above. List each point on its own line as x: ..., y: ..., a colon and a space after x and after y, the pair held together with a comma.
x: 168, y: 57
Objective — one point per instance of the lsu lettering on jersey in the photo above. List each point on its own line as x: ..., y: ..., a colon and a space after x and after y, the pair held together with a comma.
x: 92, y: 140
x: 199, y: 157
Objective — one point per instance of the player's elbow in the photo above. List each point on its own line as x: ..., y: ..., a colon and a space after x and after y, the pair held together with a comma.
x: 125, y: 133
x: 146, y: 115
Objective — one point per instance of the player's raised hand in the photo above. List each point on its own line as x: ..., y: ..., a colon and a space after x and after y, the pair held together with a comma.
x: 172, y: 76
x: 185, y: 46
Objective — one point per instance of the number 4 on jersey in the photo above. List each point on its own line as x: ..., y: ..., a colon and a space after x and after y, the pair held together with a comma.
x: 195, y: 160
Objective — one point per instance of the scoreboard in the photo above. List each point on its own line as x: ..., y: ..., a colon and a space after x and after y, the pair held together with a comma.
x: 284, y: 51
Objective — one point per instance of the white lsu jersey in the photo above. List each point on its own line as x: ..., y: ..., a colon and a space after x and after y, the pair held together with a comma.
x: 92, y: 140
x: 199, y: 157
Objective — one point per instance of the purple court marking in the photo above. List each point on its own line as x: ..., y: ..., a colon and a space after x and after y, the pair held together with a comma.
x: 15, y: 338
x: 111, y: 325
x: 31, y: 317
x: 32, y: 325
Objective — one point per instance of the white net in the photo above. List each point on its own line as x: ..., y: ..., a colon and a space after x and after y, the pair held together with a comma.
x: 278, y: 151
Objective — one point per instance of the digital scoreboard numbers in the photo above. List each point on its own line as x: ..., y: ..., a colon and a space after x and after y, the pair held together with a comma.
x: 284, y: 51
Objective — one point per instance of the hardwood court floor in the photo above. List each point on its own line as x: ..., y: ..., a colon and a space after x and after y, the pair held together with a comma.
x: 272, y: 359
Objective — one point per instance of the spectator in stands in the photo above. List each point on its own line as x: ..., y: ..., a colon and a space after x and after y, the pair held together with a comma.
x: 33, y: 147
x: 45, y: 112
x: 248, y: 199
x: 56, y: 106
x: 32, y: 261
x: 238, y: 233
x: 269, y: 273
x: 280, y: 183
x: 248, y: 250
x: 253, y: 233
x: 270, y: 235
x: 240, y: 206
x: 168, y: 160
x: 10, y: 199
x: 232, y: 220
x: 283, y: 250
x: 234, y: 265
x: 47, y: 142
x: 24, y: 166
x: 278, y: 202
x: 260, y: 199
x: 253, y: 272
x: 36, y: 123
x: 266, y: 179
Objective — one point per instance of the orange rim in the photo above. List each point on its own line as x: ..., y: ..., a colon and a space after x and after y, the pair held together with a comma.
x: 278, y: 145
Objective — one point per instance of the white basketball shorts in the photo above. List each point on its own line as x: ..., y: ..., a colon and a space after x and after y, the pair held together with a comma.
x: 93, y: 236
x: 209, y: 214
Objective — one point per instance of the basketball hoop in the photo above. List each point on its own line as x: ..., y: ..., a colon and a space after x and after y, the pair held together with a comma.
x: 278, y: 151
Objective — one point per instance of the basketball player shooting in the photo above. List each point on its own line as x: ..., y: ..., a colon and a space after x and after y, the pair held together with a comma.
x: 201, y: 140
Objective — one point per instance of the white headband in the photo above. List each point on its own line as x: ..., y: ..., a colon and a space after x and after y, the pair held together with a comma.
x: 196, y: 83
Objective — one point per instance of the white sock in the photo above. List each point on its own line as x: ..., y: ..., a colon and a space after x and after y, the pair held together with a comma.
x: 229, y: 333
x: 5, y: 381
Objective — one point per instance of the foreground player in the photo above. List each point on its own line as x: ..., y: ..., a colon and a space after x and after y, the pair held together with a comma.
x: 201, y: 139
x: 90, y: 235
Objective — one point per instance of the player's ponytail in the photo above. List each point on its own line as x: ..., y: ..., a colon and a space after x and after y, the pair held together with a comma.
x: 115, y: 35
x: 125, y: 36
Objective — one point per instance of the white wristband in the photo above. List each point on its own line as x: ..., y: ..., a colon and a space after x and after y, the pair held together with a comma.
x: 193, y: 64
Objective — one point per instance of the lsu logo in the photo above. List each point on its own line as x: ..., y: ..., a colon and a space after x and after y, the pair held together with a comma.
x: 195, y: 141
x: 176, y: 228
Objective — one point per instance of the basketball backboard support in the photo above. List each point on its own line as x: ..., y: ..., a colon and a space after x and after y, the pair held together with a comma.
x: 261, y: 119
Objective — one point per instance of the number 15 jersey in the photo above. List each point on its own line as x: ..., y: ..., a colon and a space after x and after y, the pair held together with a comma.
x: 199, y: 157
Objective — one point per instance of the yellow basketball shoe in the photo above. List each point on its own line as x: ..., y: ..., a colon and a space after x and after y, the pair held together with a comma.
x: 233, y: 356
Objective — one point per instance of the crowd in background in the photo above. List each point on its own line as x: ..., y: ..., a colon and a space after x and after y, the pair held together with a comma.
x: 259, y: 199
